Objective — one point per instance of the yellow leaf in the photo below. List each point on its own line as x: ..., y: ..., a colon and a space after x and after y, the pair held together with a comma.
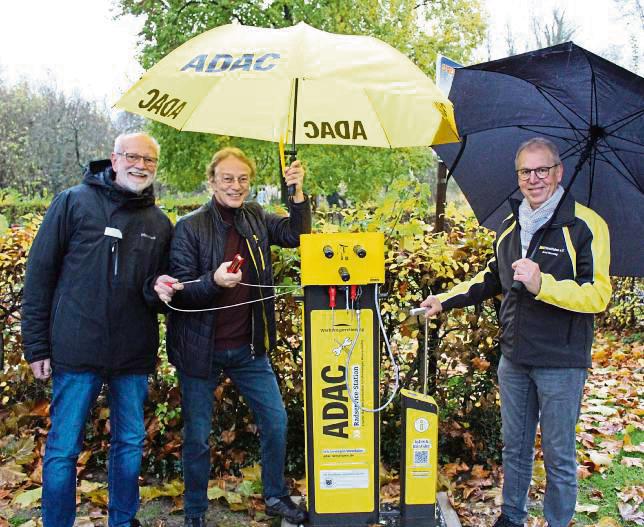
x: 252, y: 473
x: 607, y: 522
x: 233, y: 497
x: 11, y: 474
x: 85, y: 487
x: 28, y: 498
x: 214, y: 493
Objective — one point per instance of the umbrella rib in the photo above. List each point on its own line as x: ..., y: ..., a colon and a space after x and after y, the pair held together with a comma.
x: 629, y: 178
x: 549, y: 126
x: 624, y: 121
x: 594, y: 100
x: 627, y: 141
x: 501, y: 203
x: 543, y: 92
x: 574, y: 148
x: 197, y: 106
x: 378, y: 115
x: 522, y: 126
x: 534, y: 128
x: 625, y: 150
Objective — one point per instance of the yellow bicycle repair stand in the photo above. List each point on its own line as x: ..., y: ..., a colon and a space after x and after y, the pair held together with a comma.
x: 340, y: 275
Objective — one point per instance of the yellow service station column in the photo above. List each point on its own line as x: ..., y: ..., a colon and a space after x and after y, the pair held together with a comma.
x: 340, y: 273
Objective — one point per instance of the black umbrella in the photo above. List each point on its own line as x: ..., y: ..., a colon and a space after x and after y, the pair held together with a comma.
x: 592, y: 109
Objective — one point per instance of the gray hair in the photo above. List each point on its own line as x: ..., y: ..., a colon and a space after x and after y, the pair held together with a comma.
x: 119, y: 140
x: 536, y: 143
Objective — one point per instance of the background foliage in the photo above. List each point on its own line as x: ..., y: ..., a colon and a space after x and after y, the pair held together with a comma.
x: 48, y: 136
x: 463, y: 347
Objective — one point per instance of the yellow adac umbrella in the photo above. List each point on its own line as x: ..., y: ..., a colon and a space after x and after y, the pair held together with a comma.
x: 296, y: 82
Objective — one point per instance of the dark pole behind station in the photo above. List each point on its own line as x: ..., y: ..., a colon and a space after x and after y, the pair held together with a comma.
x: 441, y: 197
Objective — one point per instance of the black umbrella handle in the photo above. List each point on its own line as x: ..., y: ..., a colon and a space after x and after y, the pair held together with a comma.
x: 292, y: 157
x: 293, y: 151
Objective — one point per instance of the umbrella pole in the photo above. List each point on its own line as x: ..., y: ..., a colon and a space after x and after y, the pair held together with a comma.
x: 293, y: 151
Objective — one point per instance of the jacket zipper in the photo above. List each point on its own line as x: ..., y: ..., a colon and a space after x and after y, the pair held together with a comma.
x: 115, y: 257
x: 267, y: 340
x: 261, y: 295
x: 53, y: 320
x: 259, y: 250
x: 252, y: 332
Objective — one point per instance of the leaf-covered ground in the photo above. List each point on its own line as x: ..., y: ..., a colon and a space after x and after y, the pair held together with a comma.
x: 610, y: 439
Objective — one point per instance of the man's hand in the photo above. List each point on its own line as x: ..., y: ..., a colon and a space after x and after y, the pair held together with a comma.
x: 41, y: 369
x: 432, y: 306
x: 528, y: 272
x: 225, y: 279
x: 295, y: 176
x: 165, y: 286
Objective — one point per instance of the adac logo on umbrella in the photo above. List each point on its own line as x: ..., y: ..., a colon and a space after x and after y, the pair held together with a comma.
x: 162, y: 104
x: 337, y: 129
x: 221, y: 62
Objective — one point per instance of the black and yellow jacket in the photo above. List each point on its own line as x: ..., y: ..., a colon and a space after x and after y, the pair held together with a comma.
x: 555, y: 327
x: 197, y: 250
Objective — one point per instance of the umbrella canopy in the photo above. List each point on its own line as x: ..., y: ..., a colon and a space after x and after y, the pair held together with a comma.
x: 296, y: 82
x: 592, y: 109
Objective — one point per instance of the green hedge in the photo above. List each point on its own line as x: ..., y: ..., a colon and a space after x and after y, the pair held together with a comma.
x: 418, y: 261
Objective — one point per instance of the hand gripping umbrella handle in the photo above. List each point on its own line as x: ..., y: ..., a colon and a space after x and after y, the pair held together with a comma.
x: 517, y: 286
x: 291, y: 159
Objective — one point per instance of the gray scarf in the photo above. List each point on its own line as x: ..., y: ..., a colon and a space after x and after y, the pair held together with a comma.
x: 531, y: 220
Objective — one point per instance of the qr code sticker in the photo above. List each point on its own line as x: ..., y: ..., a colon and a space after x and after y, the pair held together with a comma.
x: 421, y: 457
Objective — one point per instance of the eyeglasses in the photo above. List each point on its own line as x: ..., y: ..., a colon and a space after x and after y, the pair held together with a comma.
x: 135, y: 158
x: 541, y: 172
x: 243, y: 181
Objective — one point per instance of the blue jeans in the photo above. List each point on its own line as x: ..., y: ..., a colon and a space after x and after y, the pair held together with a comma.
x: 551, y: 397
x: 73, y: 395
x: 256, y: 382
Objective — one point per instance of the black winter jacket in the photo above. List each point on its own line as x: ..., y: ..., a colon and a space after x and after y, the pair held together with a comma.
x: 198, y: 250
x: 555, y: 327
x: 89, y: 302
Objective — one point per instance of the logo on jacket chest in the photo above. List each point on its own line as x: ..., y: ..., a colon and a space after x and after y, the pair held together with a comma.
x: 552, y: 251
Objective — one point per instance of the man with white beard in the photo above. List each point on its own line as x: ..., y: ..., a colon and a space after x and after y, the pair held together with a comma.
x: 89, y: 318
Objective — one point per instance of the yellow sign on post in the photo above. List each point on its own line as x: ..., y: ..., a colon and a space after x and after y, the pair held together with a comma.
x: 343, y: 434
x: 419, y: 463
x: 341, y: 273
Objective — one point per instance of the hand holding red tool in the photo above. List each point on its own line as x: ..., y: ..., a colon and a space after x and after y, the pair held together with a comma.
x: 235, y: 264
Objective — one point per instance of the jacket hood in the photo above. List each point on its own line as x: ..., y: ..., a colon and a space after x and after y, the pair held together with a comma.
x: 100, y: 174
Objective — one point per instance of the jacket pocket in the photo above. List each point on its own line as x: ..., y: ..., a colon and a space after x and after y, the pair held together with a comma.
x: 141, y: 261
